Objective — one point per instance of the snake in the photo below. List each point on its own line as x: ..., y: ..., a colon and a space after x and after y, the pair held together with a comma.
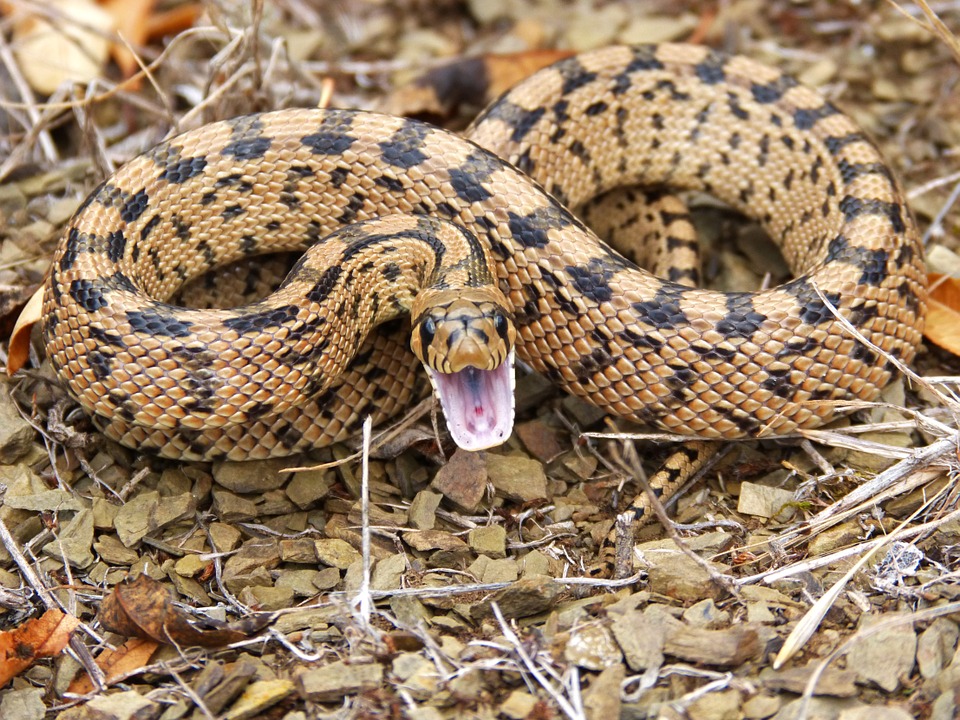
x: 473, y: 235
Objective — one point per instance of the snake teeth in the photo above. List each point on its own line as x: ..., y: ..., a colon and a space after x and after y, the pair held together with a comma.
x: 478, y: 404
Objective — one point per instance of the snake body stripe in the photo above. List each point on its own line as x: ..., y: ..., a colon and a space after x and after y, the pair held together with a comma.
x: 204, y: 384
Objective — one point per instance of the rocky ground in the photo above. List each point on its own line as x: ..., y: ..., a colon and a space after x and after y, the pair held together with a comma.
x: 475, y: 585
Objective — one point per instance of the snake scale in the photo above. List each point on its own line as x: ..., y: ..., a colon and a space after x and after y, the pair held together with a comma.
x: 254, y: 381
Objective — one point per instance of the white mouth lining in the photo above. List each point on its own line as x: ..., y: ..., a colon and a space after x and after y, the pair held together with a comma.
x: 469, y: 438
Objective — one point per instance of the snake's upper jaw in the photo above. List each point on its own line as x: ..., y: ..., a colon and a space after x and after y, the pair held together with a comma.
x: 477, y: 404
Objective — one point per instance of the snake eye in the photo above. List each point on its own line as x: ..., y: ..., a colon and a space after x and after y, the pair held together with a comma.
x: 501, y: 325
x: 428, y: 329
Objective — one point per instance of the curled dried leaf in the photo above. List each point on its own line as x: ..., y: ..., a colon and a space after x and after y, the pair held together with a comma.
x: 118, y: 664
x: 40, y: 637
x: 131, y: 18
x: 19, y: 345
x: 470, y: 81
x: 68, y: 45
x: 943, y: 313
x: 142, y: 607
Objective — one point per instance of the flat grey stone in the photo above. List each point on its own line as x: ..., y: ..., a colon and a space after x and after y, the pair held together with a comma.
x: 336, y: 680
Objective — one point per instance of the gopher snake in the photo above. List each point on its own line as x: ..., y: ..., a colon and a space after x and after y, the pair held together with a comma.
x: 254, y: 382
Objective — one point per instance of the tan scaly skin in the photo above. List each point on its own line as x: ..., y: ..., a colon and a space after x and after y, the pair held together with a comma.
x: 250, y: 382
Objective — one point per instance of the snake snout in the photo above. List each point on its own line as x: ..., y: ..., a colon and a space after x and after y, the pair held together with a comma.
x: 463, y: 333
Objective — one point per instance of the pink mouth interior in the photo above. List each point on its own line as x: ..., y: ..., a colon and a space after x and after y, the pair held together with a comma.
x: 477, y: 405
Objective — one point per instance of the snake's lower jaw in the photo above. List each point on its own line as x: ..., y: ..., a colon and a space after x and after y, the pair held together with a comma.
x: 477, y: 404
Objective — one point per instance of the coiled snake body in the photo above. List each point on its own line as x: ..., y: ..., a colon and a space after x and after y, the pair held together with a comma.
x: 251, y: 382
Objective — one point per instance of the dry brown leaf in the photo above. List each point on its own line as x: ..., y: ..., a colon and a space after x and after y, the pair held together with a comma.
x: 505, y: 71
x: 40, y: 637
x: 117, y: 664
x: 19, y: 346
x: 131, y: 19
x: 69, y: 46
x: 943, y: 313
x: 472, y: 81
x: 13, y: 300
x: 137, y: 23
x: 174, y: 20
x: 142, y: 607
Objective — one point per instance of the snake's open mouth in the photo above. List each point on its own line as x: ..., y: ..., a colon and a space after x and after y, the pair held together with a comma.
x: 477, y: 404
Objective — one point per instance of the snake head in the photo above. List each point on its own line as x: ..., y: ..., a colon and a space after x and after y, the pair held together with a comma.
x: 465, y: 339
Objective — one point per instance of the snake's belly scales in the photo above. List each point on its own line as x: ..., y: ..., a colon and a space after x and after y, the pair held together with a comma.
x: 698, y: 362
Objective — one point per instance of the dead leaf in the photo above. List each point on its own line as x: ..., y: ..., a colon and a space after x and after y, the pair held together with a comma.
x: 131, y: 19
x: 13, y: 300
x: 118, y: 664
x: 40, y: 637
x: 471, y: 81
x: 943, y: 313
x: 138, y: 22
x: 142, y: 607
x: 399, y: 641
x: 68, y: 45
x: 19, y: 345
x: 173, y: 20
x: 505, y: 71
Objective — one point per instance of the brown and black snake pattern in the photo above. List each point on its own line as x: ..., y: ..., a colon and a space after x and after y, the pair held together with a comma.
x: 250, y: 382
